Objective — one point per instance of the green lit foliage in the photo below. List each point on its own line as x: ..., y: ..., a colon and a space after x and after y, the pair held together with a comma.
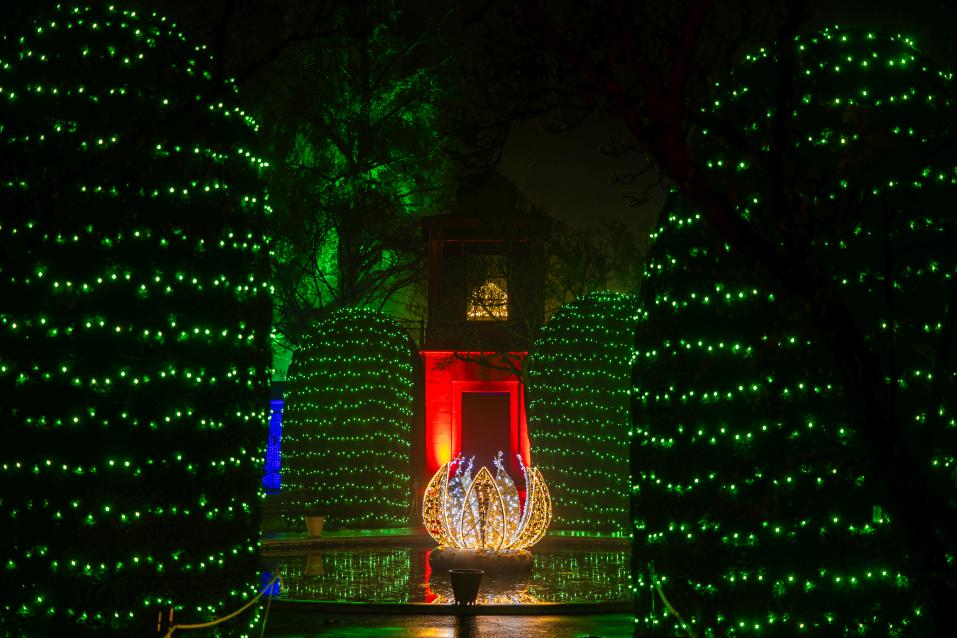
x: 347, y: 421
x: 578, y: 410
x: 361, y: 160
x: 756, y: 499
x: 134, y: 330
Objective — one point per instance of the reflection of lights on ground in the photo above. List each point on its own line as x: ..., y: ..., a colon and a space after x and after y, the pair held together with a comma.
x: 346, y: 575
x: 500, y: 591
x: 400, y: 574
x: 364, y: 625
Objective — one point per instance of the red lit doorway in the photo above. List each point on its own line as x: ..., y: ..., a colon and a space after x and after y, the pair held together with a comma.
x: 486, y: 428
x: 446, y: 382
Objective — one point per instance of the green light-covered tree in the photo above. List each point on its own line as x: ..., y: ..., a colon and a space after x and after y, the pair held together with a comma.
x: 578, y: 410
x: 761, y: 506
x: 134, y: 329
x: 348, y: 421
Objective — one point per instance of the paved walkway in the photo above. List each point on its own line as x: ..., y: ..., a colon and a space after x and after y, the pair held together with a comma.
x: 312, y: 625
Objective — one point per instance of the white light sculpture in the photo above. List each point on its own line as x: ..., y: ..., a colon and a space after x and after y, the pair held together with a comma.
x: 484, y: 513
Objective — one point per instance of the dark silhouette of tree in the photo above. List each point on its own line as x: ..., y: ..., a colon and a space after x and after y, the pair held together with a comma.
x: 651, y: 65
x: 353, y: 122
x: 579, y: 261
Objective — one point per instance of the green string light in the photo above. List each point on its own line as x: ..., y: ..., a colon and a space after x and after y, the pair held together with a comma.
x: 578, y: 387
x: 347, y: 424
x: 755, y: 499
x: 133, y: 329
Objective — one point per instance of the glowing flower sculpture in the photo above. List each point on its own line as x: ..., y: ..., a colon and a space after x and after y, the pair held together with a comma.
x: 483, y: 512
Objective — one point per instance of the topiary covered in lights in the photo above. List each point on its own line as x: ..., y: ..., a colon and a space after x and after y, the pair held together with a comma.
x: 757, y: 506
x: 578, y: 387
x: 348, y: 421
x: 134, y: 327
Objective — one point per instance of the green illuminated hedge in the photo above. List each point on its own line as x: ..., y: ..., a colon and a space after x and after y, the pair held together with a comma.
x: 347, y: 423
x: 578, y: 411
x: 134, y: 330
x: 757, y: 503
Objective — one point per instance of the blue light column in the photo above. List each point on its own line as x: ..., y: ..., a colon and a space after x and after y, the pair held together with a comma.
x: 272, y: 481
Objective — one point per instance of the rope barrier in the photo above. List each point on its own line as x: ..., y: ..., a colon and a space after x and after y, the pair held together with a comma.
x: 661, y: 593
x: 262, y: 632
x: 218, y: 621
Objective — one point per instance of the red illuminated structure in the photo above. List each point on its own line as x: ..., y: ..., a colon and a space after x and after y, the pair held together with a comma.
x: 485, y: 300
x: 467, y: 399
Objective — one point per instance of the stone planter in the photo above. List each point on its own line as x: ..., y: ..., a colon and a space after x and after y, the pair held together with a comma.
x: 465, y: 585
x: 314, y: 525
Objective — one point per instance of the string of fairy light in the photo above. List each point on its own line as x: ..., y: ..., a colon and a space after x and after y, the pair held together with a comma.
x: 483, y: 512
x: 133, y: 330
x: 757, y: 507
x: 347, y: 422
x: 578, y: 387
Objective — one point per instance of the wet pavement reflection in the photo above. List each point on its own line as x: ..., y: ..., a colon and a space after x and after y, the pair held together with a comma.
x: 405, y: 626
x: 402, y: 575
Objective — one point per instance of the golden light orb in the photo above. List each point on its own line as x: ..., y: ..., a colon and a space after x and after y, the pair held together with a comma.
x: 483, y: 512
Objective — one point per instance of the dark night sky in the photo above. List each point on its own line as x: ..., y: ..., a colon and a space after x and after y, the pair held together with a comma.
x: 567, y: 174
